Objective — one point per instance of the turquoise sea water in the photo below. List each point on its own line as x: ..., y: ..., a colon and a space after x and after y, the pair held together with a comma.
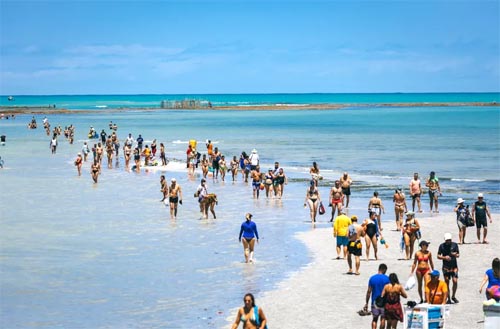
x: 74, y: 254
x: 116, y: 101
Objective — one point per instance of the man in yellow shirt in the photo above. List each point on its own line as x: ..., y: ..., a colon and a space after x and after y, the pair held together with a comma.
x: 436, y: 291
x: 340, y: 231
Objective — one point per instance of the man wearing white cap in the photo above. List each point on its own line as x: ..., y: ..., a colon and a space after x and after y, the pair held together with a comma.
x: 479, y: 212
x: 254, y: 159
x: 448, y: 252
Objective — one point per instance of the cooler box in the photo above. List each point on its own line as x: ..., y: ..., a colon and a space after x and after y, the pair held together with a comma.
x: 491, y: 316
x: 425, y: 316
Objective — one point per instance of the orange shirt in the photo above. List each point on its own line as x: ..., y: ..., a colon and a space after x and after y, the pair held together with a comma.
x: 439, y: 295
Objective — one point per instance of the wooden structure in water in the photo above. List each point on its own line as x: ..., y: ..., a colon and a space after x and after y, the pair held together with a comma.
x: 186, y: 104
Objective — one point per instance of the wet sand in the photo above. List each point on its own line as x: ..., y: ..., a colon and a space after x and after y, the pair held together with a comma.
x: 322, y: 295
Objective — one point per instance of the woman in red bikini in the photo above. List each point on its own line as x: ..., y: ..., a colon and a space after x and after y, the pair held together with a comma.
x: 424, y: 265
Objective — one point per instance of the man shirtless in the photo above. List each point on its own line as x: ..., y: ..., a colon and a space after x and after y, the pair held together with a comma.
x: 434, y: 190
x: 345, y: 182
x: 175, y: 197
x: 336, y: 197
x: 110, y: 151
x: 415, y: 192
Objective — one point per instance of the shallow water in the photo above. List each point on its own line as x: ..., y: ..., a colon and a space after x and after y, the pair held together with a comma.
x: 106, y: 255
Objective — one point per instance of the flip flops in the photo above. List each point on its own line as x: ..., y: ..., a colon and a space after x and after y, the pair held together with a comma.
x: 364, y: 312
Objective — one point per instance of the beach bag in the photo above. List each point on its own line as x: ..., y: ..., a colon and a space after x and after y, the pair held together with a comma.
x: 256, y: 315
x: 197, y: 193
x: 494, y: 292
x: 321, y: 208
x: 410, y: 283
x: 418, y: 234
x: 380, y: 302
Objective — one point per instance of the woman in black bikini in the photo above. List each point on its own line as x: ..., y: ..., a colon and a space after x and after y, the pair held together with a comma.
x: 370, y: 226
x: 312, y: 199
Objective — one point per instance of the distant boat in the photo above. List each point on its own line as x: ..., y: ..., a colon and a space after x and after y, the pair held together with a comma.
x: 10, y: 98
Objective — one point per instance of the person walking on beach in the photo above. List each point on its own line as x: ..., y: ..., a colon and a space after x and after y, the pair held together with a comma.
x: 370, y: 226
x: 393, y: 291
x: 340, y: 232
x: 163, y: 158
x: 256, y: 180
x: 103, y: 137
x: 202, y: 193
x: 204, y: 166
x: 423, y: 264
x: 53, y: 144
x: 480, y: 211
x: 109, y: 151
x: 434, y: 191
x: 250, y: 235
x: 94, y: 170
x: 250, y: 314
x: 254, y: 159
x: 175, y: 197
x: 216, y: 157
x: 280, y: 180
x: 233, y: 165
x: 436, y: 291
x: 354, y: 248
x: 376, y: 285
x: 448, y: 252
x: 410, y: 229
x: 375, y: 205
x: 222, y: 167
x: 463, y: 217
x: 268, y: 183
x: 415, y: 192
x: 127, y: 153
x: 85, y: 151
x: 492, y: 276
x: 153, y: 147
x: 210, y: 147
x: 137, y: 159
x: 78, y: 163
x: 314, y: 171
x: 130, y: 140
x: 399, y: 207
x: 140, y: 141
x: 163, y: 188
x: 345, y: 183
x: 336, y: 197
x: 312, y: 199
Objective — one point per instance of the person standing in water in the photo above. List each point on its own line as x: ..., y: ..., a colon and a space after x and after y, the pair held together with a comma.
x: 78, y: 163
x: 415, y: 192
x: 175, y: 197
x: 312, y: 200
x: 434, y: 191
x: 250, y: 235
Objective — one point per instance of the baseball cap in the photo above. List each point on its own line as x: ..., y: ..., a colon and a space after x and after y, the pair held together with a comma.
x: 447, y: 236
x: 173, y: 180
x: 480, y: 195
x: 435, y: 273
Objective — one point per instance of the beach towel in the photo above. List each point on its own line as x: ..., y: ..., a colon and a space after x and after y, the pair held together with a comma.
x: 256, y: 314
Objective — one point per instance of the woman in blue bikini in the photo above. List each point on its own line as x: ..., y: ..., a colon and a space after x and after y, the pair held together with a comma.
x: 251, y: 315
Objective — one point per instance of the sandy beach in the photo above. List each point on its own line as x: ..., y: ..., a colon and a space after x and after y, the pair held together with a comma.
x: 322, y: 296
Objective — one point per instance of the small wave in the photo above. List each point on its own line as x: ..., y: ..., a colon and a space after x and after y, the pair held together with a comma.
x: 180, y: 142
x: 467, y: 180
x: 101, y: 106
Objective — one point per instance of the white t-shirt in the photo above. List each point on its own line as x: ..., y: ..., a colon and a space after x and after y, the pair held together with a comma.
x: 254, y: 159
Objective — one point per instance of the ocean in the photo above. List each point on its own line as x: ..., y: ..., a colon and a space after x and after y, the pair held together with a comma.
x: 75, y: 254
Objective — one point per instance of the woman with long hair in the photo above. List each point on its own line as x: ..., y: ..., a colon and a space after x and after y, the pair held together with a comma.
x: 392, y: 293
x: 492, y: 276
x: 423, y: 264
x: 250, y: 314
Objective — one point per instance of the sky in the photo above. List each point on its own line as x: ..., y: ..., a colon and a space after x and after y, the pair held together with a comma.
x: 273, y: 46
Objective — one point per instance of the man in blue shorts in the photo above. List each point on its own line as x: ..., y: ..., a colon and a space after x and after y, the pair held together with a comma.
x: 341, y: 232
x: 376, y: 284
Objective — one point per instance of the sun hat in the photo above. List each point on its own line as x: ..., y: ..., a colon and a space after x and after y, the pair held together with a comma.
x: 460, y: 200
x: 447, y: 236
x: 435, y: 273
x: 480, y: 195
x: 410, y: 213
x: 254, y: 151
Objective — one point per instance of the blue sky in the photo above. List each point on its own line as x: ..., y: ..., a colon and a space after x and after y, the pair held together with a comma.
x: 123, y: 47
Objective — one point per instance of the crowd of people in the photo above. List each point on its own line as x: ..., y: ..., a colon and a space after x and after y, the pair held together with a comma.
x: 348, y: 233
